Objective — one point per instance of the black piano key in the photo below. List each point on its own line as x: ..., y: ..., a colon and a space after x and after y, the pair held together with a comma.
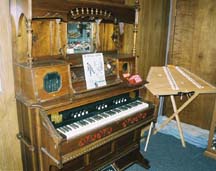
x: 65, y: 128
x: 116, y: 110
x: 104, y: 115
x: 133, y: 104
x: 58, y: 130
x: 63, y: 135
x: 79, y: 124
x: 90, y: 120
x: 84, y: 122
x: 101, y: 115
x: 128, y: 106
x: 122, y: 108
x: 96, y: 117
x: 138, y: 102
x: 111, y: 112
x: 68, y: 127
x: 74, y: 126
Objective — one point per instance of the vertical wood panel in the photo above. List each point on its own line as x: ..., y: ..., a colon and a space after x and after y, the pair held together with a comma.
x: 106, y: 43
x: 193, y: 47
x: 10, y: 158
x: 127, y: 38
x: 49, y: 37
x: 152, y: 34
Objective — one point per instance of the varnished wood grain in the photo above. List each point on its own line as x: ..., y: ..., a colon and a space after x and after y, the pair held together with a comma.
x: 53, y: 8
x: 152, y: 34
x: 49, y: 38
x: 10, y: 158
x: 21, y: 41
x: 32, y: 82
x: 105, y: 36
x: 193, y: 47
x: 39, y: 75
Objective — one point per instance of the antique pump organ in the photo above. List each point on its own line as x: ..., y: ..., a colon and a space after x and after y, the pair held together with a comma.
x: 63, y: 124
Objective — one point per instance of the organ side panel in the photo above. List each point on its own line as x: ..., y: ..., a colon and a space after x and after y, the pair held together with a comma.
x: 27, y: 119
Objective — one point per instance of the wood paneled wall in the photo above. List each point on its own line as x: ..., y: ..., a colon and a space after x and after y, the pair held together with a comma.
x: 152, y: 34
x: 10, y: 157
x: 193, y: 47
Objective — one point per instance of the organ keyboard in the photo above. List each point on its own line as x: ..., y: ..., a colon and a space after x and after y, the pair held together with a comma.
x: 95, y: 119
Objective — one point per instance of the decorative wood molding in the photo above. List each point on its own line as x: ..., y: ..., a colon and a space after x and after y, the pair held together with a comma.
x: 90, y: 14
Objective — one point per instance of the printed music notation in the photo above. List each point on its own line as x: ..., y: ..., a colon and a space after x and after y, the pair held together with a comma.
x: 94, y: 70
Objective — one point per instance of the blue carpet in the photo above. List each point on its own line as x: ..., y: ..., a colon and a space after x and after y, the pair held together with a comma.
x: 165, y: 153
x: 192, y: 134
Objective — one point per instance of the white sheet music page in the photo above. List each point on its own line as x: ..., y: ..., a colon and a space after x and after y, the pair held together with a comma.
x: 94, y: 70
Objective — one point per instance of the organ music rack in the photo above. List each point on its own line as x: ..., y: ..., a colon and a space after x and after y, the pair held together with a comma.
x: 53, y: 103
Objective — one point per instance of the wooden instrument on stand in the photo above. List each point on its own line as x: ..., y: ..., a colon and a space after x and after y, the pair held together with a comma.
x: 63, y: 124
x: 176, y: 81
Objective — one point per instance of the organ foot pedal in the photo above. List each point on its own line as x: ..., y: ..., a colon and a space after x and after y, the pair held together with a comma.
x: 131, y: 158
x: 109, y: 168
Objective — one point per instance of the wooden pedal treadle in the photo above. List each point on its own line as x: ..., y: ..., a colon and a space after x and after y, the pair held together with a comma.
x: 126, y: 161
x: 131, y: 158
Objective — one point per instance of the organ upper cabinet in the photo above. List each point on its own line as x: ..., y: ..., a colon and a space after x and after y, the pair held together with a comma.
x: 50, y: 37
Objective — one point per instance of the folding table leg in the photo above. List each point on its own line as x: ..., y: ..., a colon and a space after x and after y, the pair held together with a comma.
x: 177, y: 120
x: 176, y: 112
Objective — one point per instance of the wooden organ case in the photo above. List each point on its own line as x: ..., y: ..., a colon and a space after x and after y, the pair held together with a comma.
x: 63, y: 125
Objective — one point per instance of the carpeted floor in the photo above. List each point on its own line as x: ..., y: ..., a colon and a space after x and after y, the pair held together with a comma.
x: 165, y: 153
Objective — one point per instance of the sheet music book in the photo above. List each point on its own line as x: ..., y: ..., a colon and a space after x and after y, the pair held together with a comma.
x: 94, y: 70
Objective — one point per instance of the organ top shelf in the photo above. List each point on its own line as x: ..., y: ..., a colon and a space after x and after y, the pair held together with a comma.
x: 70, y: 10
